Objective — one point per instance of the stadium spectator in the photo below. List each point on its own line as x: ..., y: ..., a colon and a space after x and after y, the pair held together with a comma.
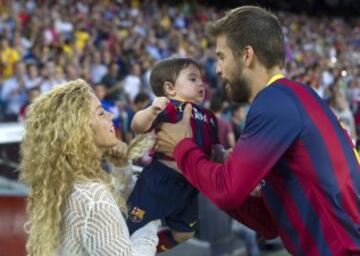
x: 342, y: 111
x: 13, y: 93
x: 100, y: 91
x: 238, y: 115
x: 225, y: 130
x: 9, y: 57
x: 32, y: 94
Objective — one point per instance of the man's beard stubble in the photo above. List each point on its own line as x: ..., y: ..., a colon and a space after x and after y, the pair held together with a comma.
x: 238, y: 90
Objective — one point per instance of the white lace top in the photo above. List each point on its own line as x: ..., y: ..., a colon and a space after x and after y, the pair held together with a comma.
x: 94, y: 225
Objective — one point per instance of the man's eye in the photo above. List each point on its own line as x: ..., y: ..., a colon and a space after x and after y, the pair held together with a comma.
x: 101, y: 113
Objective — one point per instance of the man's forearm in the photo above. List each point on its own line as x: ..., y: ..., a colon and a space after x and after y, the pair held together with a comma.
x: 254, y: 214
x: 221, y: 183
x: 227, y: 186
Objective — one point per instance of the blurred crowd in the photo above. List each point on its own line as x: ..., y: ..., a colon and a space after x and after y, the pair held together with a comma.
x: 114, y: 44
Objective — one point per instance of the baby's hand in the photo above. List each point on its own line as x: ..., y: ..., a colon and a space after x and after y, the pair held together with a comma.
x: 159, y: 104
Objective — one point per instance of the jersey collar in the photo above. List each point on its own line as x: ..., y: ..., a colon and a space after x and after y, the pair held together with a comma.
x: 274, y: 78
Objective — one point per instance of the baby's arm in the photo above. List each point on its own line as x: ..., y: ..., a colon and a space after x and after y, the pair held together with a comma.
x: 143, y: 119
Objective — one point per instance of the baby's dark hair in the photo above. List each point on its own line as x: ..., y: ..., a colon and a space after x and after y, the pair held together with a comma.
x: 168, y: 70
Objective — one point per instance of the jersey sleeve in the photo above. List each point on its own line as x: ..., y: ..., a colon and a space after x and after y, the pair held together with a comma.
x: 272, y: 125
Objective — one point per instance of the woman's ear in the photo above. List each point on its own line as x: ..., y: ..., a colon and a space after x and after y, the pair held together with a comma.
x: 169, y: 89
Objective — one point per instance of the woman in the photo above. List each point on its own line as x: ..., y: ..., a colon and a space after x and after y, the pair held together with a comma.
x: 72, y: 207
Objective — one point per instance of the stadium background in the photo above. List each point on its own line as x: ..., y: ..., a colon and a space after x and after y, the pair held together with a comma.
x: 114, y: 44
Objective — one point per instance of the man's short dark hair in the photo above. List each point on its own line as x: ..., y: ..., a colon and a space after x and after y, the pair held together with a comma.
x: 253, y: 26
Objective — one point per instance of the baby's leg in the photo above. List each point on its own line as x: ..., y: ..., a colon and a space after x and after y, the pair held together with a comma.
x: 148, y: 201
x: 170, y: 238
x: 182, y: 236
x: 181, y: 225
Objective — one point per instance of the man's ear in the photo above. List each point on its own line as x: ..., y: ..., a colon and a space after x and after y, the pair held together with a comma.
x: 169, y: 89
x: 248, y: 56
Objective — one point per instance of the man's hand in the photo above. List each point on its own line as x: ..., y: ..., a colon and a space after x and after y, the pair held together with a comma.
x: 171, y: 134
x: 159, y: 104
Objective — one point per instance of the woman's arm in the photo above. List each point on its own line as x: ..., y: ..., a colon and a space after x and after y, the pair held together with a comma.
x: 105, y: 231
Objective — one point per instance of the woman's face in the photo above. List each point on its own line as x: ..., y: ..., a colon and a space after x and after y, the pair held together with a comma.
x: 102, y: 126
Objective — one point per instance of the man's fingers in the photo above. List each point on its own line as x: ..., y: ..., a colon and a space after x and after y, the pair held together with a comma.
x: 163, y: 127
x: 164, y: 146
x: 164, y: 135
x: 187, y: 114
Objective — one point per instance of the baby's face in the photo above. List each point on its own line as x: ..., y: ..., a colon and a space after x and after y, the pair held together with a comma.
x: 189, y: 85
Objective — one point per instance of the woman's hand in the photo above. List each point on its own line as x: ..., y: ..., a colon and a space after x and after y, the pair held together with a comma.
x: 117, y: 154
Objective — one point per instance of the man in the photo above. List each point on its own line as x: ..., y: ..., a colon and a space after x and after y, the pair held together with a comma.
x: 292, y: 145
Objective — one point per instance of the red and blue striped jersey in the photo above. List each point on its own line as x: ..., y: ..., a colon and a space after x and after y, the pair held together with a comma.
x: 203, y: 123
x: 295, y: 148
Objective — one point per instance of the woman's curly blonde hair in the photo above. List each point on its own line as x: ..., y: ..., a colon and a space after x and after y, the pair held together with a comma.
x: 57, y: 151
